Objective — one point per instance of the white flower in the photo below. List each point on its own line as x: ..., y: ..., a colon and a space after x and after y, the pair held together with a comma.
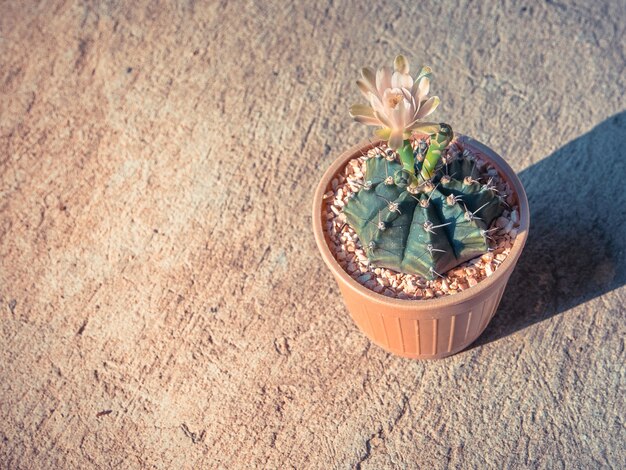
x: 397, y: 103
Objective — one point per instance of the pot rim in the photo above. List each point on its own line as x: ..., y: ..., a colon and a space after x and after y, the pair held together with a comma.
x: 413, y: 305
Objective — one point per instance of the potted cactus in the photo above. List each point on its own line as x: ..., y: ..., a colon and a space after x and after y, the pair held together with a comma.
x: 421, y: 228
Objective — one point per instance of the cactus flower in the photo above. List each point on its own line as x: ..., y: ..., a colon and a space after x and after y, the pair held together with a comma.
x: 397, y: 103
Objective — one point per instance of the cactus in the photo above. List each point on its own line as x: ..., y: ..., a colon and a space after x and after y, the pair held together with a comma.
x: 421, y: 215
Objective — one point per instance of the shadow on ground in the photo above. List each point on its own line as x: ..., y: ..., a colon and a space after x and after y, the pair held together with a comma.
x: 576, y: 247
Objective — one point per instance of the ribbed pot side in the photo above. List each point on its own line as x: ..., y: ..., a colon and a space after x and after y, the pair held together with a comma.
x: 423, y: 329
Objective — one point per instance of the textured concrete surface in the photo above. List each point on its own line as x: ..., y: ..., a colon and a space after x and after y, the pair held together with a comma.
x: 162, y: 301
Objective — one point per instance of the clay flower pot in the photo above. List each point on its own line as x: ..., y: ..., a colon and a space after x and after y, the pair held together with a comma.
x: 423, y: 329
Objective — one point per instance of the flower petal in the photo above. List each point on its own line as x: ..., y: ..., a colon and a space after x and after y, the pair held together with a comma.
x: 365, y: 87
x: 382, y: 117
x: 398, y: 116
x: 420, y: 89
x: 361, y: 110
x: 401, y: 80
x: 428, y: 107
x: 400, y: 64
x: 379, y: 110
x: 377, y: 104
x: 383, y: 79
x: 364, y: 114
x: 369, y: 121
x: 369, y: 76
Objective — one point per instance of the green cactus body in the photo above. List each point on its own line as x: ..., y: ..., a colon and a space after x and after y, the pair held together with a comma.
x: 423, y: 229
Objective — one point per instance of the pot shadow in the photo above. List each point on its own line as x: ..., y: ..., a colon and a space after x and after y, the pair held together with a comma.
x: 577, y: 241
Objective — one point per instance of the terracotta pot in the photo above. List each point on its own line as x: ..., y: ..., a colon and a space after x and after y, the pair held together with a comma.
x: 422, y: 329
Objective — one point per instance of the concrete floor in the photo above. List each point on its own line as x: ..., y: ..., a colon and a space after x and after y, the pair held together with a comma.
x: 162, y: 302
